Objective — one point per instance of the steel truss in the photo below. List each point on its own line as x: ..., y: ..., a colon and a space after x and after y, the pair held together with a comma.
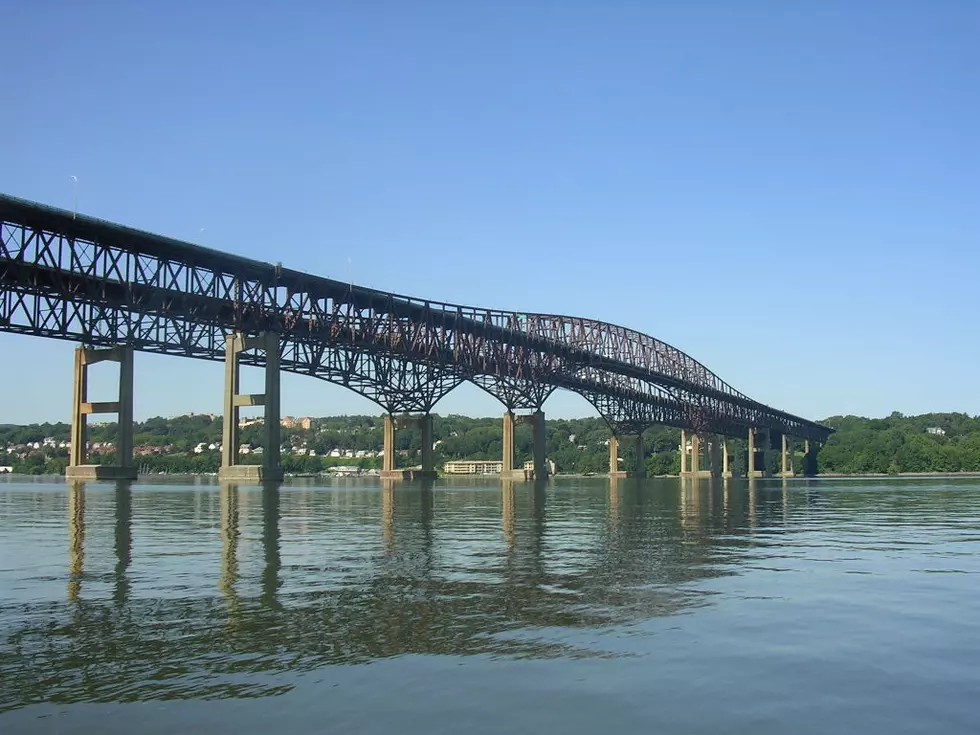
x: 102, y: 284
x: 516, y: 393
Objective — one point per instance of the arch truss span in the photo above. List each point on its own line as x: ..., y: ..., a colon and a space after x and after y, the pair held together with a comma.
x: 85, y: 279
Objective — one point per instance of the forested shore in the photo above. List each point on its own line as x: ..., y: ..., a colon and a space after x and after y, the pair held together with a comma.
x: 897, y: 444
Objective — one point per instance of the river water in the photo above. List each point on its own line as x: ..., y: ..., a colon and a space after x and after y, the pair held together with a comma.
x: 802, y: 606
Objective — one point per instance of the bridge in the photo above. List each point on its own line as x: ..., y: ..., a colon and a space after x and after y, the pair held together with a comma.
x: 115, y: 290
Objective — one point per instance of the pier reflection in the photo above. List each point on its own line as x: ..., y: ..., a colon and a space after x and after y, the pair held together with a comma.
x: 228, y: 501
x: 270, y: 544
x: 76, y: 538
x: 381, y: 571
x: 123, y: 540
x: 508, y: 511
x: 407, y: 519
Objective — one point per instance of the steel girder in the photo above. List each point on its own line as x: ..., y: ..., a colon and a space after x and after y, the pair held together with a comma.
x: 96, y: 282
x: 516, y: 393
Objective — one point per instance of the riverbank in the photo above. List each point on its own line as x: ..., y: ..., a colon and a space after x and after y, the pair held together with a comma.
x: 212, y: 477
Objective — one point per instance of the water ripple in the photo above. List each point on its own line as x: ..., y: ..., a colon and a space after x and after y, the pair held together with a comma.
x: 194, y: 593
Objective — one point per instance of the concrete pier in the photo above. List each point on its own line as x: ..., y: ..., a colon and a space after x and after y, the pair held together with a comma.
x: 640, y: 457
x: 757, y: 466
x: 389, y: 462
x: 388, y: 450
x: 614, y: 470
x: 539, y: 444
x: 708, y: 451
x: 82, y: 408
x: 683, y: 453
x: 810, y: 459
x: 507, y: 455
x: 427, y: 451
x: 726, y: 459
x: 715, y: 468
x: 271, y: 469
x: 509, y: 452
x: 690, y: 460
x: 786, y: 457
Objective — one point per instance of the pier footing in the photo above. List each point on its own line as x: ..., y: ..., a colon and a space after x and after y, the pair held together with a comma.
x: 409, y: 474
x: 99, y: 472
x: 249, y: 474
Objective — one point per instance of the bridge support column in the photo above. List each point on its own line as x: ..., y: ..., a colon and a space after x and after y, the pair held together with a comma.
x: 753, y: 468
x: 389, y: 463
x: 388, y: 460
x: 683, y: 453
x: 641, y: 457
x: 271, y: 453
x: 539, y: 451
x: 271, y: 469
x: 786, y: 457
x: 428, y: 456
x: 507, y: 470
x: 726, y: 459
x: 81, y: 408
x: 507, y: 456
x: 691, y: 466
x: 614, y: 470
x: 810, y: 459
x: 714, y: 456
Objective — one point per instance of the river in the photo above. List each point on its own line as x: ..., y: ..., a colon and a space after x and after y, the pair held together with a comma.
x: 800, y: 606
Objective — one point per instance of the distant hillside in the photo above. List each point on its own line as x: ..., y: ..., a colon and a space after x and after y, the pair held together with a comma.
x: 935, y: 442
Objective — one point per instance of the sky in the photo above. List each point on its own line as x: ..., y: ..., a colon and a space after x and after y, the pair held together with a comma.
x: 789, y: 192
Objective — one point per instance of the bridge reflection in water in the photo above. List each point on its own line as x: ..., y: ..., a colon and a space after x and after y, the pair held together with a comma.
x: 452, y: 570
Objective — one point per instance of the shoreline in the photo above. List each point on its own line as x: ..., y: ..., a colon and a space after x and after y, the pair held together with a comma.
x: 558, y: 476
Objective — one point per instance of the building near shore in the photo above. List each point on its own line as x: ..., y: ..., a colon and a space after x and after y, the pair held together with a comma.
x: 473, y: 467
x: 484, y: 467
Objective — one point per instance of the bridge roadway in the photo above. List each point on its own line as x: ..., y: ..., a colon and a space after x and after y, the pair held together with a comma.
x: 115, y: 289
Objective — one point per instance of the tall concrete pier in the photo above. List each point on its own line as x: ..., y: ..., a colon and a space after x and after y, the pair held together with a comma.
x: 614, y: 470
x: 508, y: 451
x: 726, y: 458
x: 82, y: 408
x: 786, y: 457
x: 639, y: 455
x: 539, y: 445
x: 757, y: 462
x: 810, y: 458
x: 270, y: 470
x: 389, y: 462
x: 508, y: 456
x: 707, y: 457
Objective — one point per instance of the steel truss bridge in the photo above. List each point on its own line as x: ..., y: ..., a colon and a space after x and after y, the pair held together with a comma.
x: 102, y: 284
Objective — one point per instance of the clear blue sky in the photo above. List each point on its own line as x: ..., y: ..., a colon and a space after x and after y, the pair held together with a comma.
x: 788, y: 191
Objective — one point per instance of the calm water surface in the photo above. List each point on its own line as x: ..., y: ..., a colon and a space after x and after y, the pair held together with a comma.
x: 819, y: 606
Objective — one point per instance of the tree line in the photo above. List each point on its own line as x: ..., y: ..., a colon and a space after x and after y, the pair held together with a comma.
x: 937, y: 442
